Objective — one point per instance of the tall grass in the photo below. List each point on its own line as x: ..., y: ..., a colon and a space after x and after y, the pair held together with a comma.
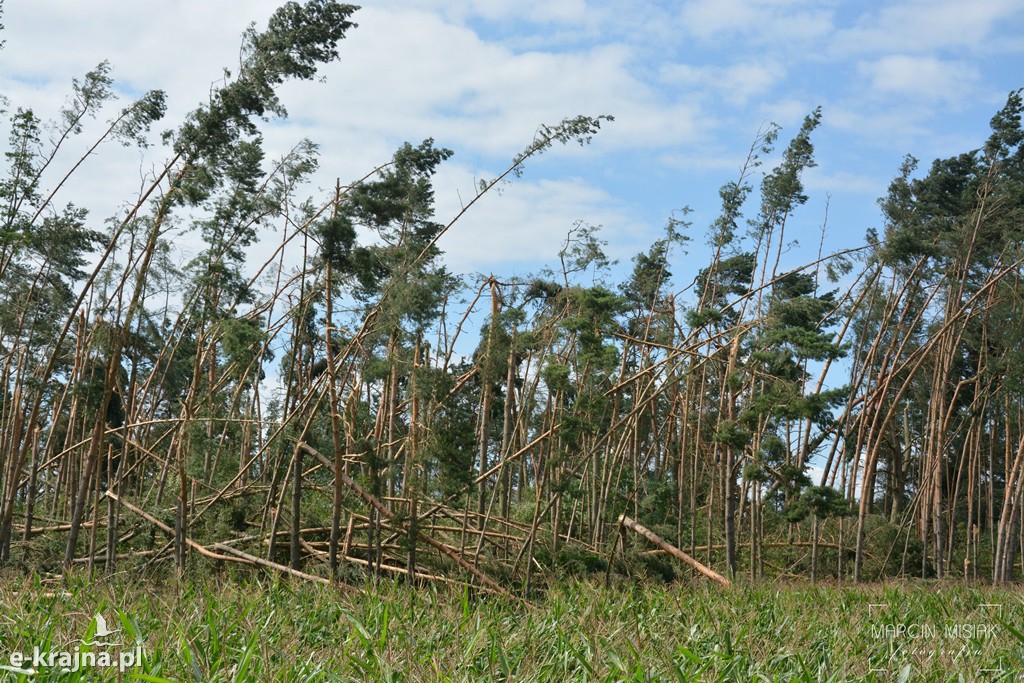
x: 245, y: 629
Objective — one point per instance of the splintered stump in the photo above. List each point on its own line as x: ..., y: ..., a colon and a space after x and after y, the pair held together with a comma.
x: 671, y: 549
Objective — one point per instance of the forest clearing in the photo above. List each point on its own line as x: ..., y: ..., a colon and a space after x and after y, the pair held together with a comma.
x: 345, y: 461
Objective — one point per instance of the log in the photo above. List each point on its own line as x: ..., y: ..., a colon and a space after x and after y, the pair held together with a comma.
x: 267, y: 564
x: 671, y: 549
x: 102, y: 559
x: 202, y: 550
x: 404, y: 571
x: 784, y: 544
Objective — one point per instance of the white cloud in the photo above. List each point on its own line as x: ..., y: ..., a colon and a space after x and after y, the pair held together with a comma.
x: 539, y: 11
x: 706, y: 18
x: 928, y: 25
x: 787, y: 112
x: 926, y: 78
x: 404, y: 74
x: 179, y: 47
x: 394, y: 82
x: 736, y: 83
x: 720, y: 164
x: 563, y: 11
x: 763, y: 21
x: 817, y: 179
x: 526, y: 222
x: 689, y: 84
x: 884, y: 128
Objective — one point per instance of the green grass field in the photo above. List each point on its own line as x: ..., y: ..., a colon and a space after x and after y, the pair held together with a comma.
x: 245, y: 629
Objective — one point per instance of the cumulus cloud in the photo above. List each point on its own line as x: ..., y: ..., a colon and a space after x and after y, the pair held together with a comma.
x: 788, y: 112
x: 397, y: 79
x: 179, y: 47
x: 404, y: 74
x: 540, y: 11
x: 880, y: 127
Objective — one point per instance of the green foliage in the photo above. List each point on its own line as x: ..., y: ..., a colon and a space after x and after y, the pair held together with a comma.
x: 450, y: 442
x: 298, y: 38
x: 135, y: 121
x: 398, y: 206
x: 931, y: 217
x: 580, y: 129
x: 242, y: 345
x: 823, y: 502
x: 645, y: 292
x: 88, y: 95
x: 892, y: 551
x: 782, y: 189
x: 219, y: 142
x: 556, y: 376
x: 734, y: 194
x: 337, y: 237
x: 591, y: 316
x: 24, y: 157
x: 730, y: 433
x: 729, y: 276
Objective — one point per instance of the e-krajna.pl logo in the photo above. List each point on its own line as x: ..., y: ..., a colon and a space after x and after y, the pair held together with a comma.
x: 99, y: 653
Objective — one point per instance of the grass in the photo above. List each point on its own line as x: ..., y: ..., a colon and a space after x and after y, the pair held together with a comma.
x: 258, y: 629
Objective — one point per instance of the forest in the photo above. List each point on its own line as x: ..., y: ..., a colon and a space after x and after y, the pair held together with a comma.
x: 351, y: 408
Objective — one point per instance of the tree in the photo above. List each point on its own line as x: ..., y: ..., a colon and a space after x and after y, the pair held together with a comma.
x: 820, y: 502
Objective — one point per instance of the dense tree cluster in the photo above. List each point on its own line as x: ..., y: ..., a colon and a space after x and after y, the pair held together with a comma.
x: 320, y: 408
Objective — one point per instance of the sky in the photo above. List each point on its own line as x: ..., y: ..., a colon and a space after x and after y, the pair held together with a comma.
x: 690, y: 84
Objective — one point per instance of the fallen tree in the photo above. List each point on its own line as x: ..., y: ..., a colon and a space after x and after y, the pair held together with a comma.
x: 657, y: 540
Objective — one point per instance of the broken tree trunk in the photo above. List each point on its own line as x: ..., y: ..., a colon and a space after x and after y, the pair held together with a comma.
x: 671, y: 549
x: 388, y: 515
x: 234, y: 554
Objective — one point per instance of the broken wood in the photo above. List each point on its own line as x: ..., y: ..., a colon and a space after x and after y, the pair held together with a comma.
x: 387, y: 514
x: 671, y: 549
x: 234, y: 555
x: 404, y: 571
x: 202, y: 550
x: 782, y: 544
x: 102, y: 559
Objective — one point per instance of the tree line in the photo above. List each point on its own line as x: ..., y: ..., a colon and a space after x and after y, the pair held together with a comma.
x: 859, y: 416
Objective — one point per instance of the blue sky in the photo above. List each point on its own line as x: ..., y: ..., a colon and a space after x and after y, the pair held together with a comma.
x: 690, y: 85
